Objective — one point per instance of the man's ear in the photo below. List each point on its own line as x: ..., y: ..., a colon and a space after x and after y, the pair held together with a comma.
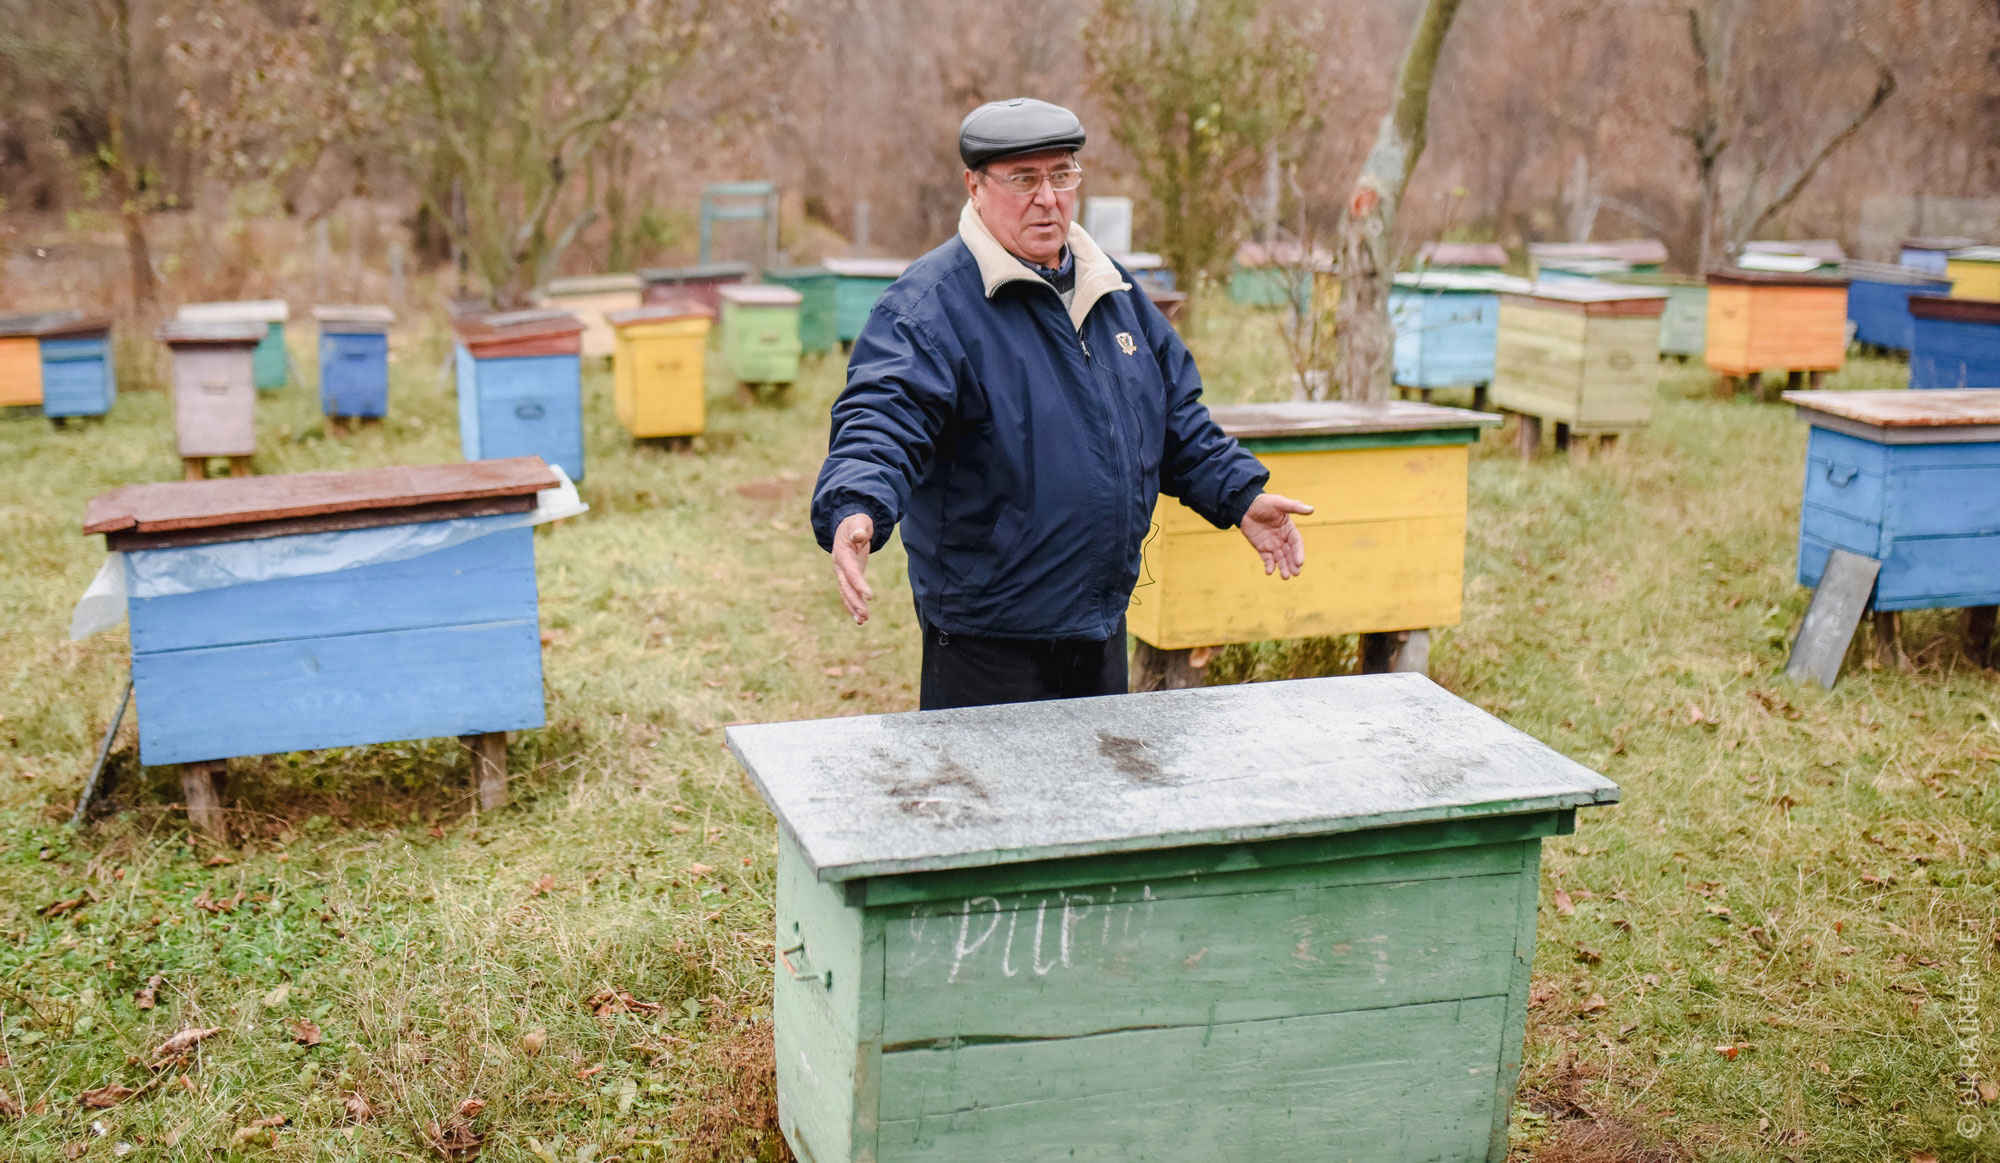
x: 971, y: 181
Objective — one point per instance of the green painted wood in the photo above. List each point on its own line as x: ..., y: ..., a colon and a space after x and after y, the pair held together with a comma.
x: 1410, y: 1083
x: 1052, y: 965
x: 1211, y: 860
x: 1433, y: 436
x: 1514, y: 1026
x: 817, y: 1025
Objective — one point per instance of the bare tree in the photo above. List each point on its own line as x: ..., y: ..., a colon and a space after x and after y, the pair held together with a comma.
x: 1363, y: 335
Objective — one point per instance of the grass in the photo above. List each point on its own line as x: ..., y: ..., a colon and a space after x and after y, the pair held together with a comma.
x: 1757, y: 955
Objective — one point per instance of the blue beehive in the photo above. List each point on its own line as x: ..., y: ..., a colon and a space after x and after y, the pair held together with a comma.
x: 1878, y: 300
x: 520, y: 387
x: 1955, y: 343
x: 1447, y: 326
x: 1150, y: 271
x: 354, y: 360
x: 74, y: 354
x: 1930, y: 254
x: 1911, y: 479
x: 332, y: 609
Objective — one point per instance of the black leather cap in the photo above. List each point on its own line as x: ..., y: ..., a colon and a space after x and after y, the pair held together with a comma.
x: 1000, y: 129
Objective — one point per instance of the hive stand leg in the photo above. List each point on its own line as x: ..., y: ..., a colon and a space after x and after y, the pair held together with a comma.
x: 239, y: 466
x: 1562, y: 437
x: 1887, y: 649
x: 1479, y: 397
x: 1815, y: 379
x: 489, y: 767
x: 1607, y: 441
x: 1794, y: 381
x: 1979, y: 626
x: 202, y: 792
x: 59, y: 421
x: 194, y: 468
x: 1528, y: 437
x: 1396, y: 652
x: 1753, y: 383
x: 1154, y: 669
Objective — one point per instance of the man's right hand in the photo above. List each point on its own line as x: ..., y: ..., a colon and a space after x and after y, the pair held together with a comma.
x: 850, y: 563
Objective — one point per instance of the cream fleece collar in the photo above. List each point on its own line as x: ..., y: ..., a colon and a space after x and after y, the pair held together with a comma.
x: 1095, y: 276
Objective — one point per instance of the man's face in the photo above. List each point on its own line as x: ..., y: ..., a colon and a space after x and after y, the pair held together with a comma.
x: 1033, y: 225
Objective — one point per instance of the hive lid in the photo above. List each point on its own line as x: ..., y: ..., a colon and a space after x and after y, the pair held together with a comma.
x: 1950, y: 242
x: 1907, y: 417
x: 1822, y: 250
x: 1285, y: 254
x: 1481, y: 282
x: 243, y: 311
x: 1811, y: 277
x: 1342, y: 418
x: 663, y: 312
x: 167, y: 506
x: 1956, y: 310
x: 868, y: 268
x: 53, y: 324
x: 517, y: 324
x: 1637, y: 251
x: 1892, y: 273
x: 593, y: 285
x: 806, y: 272
x: 352, y: 315
x: 979, y: 786
x: 1586, y: 266
x: 1589, y: 291
x: 1660, y: 279
x: 760, y: 295
x: 1796, y: 264
x: 1142, y: 260
x: 195, y: 331
x: 698, y: 273
x: 1462, y: 254
x: 1977, y: 254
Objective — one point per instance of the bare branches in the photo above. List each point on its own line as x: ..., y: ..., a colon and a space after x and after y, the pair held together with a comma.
x: 1885, y: 87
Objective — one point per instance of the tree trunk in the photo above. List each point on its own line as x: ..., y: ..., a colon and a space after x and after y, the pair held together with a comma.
x: 1364, y: 340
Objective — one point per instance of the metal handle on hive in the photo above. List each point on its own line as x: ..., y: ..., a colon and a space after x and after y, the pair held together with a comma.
x: 824, y: 977
x: 529, y: 410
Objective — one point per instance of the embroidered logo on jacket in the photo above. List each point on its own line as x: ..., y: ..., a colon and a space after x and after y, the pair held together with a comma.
x: 1125, y: 343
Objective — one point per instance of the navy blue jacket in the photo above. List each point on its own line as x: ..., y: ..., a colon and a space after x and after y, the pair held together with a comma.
x: 1021, y: 456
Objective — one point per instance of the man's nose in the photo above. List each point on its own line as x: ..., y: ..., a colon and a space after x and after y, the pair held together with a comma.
x: 1045, y: 193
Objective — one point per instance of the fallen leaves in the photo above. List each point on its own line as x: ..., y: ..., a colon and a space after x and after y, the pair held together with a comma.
x: 178, y: 1045
x: 359, y: 1109
x: 533, y: 1041
x: 606, y: 1002
x: 211, y: 905
x: 264, y: 1129
x: 1593, y: 1004
x: 455, y: 1138
x: 1565, y: 907
x: 1729, y: 1050
x: 9, y: 1109
x: 58, y: 908
x: 1989, y: 1091
x: 105, y: 1097
x: 546, y: 884
x: 305, y: 1032
x: 148, y: 995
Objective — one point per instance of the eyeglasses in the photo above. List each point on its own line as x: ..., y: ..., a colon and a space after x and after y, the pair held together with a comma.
x: 1026, y: 182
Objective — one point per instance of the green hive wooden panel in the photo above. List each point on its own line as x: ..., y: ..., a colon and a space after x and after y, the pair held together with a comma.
x: 1283, y: 921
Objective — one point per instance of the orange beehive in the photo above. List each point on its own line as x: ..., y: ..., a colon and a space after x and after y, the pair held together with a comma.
x: 1775, y: 321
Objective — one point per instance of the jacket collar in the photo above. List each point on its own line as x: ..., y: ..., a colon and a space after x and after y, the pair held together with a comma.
x: 1096, y: 276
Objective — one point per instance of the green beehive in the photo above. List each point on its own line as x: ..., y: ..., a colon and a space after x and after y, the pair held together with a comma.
x: 760, y: 332
x: 858, y: 282
x: 271, y: 364
x: 815, y: 288
x: 1684, y: 322
x: 1281, y: 921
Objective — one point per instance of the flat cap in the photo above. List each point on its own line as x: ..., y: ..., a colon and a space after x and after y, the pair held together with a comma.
x: 1000, y: 129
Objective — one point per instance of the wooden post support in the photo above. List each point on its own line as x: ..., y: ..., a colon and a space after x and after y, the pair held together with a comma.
x: 1154, y: 669
x: 194, y: 468
x: 1396, y: 652
x: 1979, y: 626
x: 1479, y: 397
x: 239, y: 466
x: 489, y: 767
x: 1562, y: 437
x: 1607, y: 441
x: 1887, y: 649
x: 1528, y: 437
x: 201, y: 788
x: 1753, y: 383
x: 1815, y: 379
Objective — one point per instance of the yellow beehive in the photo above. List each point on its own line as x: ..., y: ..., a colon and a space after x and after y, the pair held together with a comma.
x: 1974, y: 272
x: 657, y: 372
x: 20, y: 366
x: 1388, y: 533
x: 1579, y: 352
x: 1775, y: 321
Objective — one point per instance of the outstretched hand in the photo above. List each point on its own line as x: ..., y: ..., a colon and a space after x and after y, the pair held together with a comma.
x: 1267, y: 526
x: 850, y: 563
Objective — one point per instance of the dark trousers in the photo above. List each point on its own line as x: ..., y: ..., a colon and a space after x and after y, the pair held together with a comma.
x: 962, y: 671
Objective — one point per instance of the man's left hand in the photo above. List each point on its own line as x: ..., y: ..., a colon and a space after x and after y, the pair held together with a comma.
x: 1267, y: 526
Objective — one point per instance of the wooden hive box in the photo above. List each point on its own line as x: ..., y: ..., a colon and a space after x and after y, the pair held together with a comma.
x: 1684, y: 320
x: 657, y: 375
x: 60, y: 360
x: 590, y: 298
x: 272, y: 366
x: 815, y: 286
x: 331, y: 609
x: 1149, y: 271
x: 1643, y: 255
x: 1775, y: 320
x: 1170, y: 302
x: 354, y: 360
x: 1911, y: 479
x: 760, y: 333
x: 1283, y: 274
x: 1389, y: 485
x: 1581, y: 353
x: 1461, y: 257
x: 1826, y: 253
x: 1929, y: 255
x: 215, y: 392
x: 1447, y: 325
x: 1878, y: 301
x: 520, y: 387
x: 702, y: 282
x: 1956, y: 342
x: 1280, y: 921
x: 1974, y: 272
x: 857, y: 283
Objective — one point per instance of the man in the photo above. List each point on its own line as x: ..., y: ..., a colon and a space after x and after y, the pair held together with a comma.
x: 1017, y: 406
